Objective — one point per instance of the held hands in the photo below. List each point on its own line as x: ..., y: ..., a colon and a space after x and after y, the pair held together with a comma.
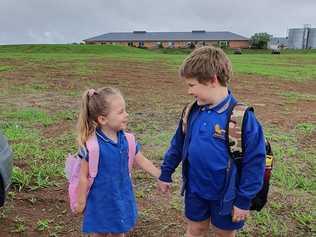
x: 239, y: 214
x: 164, y: 187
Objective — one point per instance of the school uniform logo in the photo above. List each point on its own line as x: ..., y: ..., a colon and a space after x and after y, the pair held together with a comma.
x: 219, y: 132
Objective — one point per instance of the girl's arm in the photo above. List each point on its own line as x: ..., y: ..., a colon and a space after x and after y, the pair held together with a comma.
x: 83, y: 186
x: 147, y: 165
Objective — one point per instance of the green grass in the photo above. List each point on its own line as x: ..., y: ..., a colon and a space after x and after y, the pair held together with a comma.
x: 296, y: 67
x: 42, y: 158
x: 294, y: 96
x: 290, y: 65
x: 69, y: 49
x: 5, y: 68
x: 39, y: 159
x: 42, y: 225
x: 306, y: 128
x: 289, y: 172
x: 29, y: 115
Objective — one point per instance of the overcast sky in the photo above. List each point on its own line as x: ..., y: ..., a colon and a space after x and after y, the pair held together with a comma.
x: 66, y: 21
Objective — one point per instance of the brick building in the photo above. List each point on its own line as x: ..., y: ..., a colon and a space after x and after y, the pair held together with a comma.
x: 172, y: 39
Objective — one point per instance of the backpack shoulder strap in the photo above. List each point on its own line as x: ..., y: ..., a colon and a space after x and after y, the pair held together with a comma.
x: 234, y: 127
x: 131, y: 149
x: 94, y: 152
x: 185, y: 116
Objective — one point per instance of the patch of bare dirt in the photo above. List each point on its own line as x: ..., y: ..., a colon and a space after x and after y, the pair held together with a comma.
x: 153, y: 93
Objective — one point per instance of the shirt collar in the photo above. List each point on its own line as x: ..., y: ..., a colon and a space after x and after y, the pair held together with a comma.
x: 222, y: 105
x: 101, y: 134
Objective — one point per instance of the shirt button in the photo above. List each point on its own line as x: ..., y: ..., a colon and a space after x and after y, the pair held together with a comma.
x: 209, y: 112
x: 204, y: 124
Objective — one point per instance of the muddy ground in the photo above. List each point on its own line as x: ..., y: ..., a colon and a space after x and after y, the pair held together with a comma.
x: 155, y: 95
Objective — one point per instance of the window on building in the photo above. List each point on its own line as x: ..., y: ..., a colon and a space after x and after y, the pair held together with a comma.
x: 223, y: 44
x: 171, y: 44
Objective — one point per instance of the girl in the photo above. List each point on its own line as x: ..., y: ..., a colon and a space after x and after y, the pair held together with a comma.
x: 110, y: 207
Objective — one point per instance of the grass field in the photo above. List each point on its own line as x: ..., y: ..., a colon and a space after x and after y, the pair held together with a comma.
x: 40, y: 88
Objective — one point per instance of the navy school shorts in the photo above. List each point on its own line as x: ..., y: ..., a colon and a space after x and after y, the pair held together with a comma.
x: 199, y: 209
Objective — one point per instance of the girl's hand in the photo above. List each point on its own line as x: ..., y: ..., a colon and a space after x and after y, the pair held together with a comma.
x: 164, y: 186
x: 80, y: 208
x: 147, y: 165
x: 239, y: 214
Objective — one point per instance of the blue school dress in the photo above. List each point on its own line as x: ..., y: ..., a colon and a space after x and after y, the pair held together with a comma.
x: 111, y: 205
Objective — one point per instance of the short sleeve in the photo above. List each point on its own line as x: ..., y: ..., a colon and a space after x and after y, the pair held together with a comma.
x: 138, y: 148
x: 83, y: 153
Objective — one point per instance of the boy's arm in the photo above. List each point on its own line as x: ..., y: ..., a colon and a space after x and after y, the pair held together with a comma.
x: 253, y: 163
x: 83, y: 186
x: 173, y: 156
x: 146, y: 165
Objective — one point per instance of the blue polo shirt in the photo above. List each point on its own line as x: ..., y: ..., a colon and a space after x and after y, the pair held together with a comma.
x: 206, y: 156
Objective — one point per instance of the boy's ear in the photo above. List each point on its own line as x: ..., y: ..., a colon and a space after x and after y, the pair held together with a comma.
x: 214, y: 80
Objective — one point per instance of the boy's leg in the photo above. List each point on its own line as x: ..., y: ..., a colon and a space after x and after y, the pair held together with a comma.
x: 197, y: 228
x: 118, y: 235
x: 224, y: 233
x: 223, y: 225
x: 197, y: 212
x: 99, y: 235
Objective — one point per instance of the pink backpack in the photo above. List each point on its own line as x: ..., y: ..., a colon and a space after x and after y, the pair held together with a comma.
x: 72, y: 166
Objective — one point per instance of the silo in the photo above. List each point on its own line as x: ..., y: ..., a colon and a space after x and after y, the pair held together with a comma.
x: 296, y: 38
x: 311, y: 42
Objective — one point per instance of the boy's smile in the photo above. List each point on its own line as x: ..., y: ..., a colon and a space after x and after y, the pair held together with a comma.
x: 201, y: 92
x: 206, y: 93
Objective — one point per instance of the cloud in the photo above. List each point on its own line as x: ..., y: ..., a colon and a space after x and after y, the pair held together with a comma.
x: 57, y: 21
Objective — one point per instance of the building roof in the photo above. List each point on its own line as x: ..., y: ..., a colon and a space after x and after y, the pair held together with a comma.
x: 199, y: 35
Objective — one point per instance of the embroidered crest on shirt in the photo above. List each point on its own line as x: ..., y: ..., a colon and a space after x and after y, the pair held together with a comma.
x: 219, y: 132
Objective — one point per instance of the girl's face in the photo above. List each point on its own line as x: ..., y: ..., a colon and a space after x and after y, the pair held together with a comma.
x: 117, y: 117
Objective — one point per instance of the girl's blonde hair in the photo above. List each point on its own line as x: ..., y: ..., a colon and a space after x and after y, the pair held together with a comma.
x: 93, y: 104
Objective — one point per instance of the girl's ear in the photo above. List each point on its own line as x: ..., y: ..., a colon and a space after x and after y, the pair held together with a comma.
x: 102, y: 120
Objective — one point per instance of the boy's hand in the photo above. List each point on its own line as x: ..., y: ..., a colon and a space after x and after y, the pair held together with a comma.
x: 239, y: 214
x: 164, y: 186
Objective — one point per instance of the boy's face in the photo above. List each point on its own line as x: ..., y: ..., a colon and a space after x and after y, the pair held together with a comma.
x: 201, y: 92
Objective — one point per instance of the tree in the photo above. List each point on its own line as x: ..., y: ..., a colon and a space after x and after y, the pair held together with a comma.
x: 260, y: 40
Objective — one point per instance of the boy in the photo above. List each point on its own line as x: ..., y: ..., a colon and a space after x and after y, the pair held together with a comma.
x: 213, y: 195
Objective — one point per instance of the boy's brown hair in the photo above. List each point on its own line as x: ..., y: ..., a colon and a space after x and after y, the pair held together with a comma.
x: 205, y: 62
